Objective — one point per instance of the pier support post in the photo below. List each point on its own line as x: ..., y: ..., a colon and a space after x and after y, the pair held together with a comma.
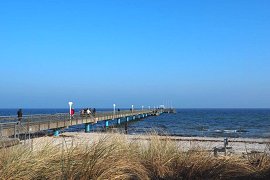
x: 119, y: 121
x: 127, y: 119
x: 87, y: 127
x: 106, y: 123
x: 145, y: 115
x: 56, y: 132
x: 134, y: 117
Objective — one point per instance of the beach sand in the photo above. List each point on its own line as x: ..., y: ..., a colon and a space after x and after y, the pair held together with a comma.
x: 238, y: 146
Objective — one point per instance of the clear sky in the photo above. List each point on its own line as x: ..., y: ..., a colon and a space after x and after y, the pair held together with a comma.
x: 195, y: 54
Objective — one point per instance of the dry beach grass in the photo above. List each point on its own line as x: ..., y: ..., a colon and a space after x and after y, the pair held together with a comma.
x: 116, y: 156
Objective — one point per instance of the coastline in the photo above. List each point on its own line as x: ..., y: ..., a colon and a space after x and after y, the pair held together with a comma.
x: 238, y: 145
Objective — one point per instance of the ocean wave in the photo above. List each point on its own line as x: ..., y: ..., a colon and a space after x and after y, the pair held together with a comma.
x: 230, y: 131
x: 242, y: 131
x: 218, y: 131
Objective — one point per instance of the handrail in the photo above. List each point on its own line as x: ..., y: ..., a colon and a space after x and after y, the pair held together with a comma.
x: 63, y: 120
x: 57, y: 117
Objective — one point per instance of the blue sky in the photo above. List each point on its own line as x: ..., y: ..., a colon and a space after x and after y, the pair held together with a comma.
x: 195, y: 54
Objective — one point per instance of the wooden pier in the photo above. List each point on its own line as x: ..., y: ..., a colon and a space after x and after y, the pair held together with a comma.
x: 9, y: 126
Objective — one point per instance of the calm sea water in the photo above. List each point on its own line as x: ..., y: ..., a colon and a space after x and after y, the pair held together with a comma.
x: 187, y: 122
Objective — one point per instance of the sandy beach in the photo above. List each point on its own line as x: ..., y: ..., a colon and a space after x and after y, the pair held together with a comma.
x: 238, y: 145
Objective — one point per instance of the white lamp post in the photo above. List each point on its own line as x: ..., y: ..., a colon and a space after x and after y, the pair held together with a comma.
x: 132, y: 108
x: 113, y: 109
x: 70, y: 106
x: 142, y: 108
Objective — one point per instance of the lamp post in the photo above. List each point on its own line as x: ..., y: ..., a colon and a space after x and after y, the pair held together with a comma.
x: 70, y: 106
x: 142, y: 108
x: 132, y: 108
x: 113, y: 109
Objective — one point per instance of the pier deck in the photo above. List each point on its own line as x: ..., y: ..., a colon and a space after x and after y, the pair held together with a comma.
x: 9, y: 126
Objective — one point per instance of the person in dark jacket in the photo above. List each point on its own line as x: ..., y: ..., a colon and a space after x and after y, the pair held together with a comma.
x: 94, y: 111
x: 126, y: 127
x: 19, y: 113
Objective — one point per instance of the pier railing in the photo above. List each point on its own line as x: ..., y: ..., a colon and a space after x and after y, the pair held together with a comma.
x: 34, y: 123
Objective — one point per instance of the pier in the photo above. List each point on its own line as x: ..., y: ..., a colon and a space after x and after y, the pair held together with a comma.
x: 10, y: 127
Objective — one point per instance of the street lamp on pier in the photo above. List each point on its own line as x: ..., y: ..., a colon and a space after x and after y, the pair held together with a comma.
x: 70, y: 107
x: 114, y: 109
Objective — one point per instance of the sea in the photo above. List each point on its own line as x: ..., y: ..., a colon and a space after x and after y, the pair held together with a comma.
x: 245, y: 123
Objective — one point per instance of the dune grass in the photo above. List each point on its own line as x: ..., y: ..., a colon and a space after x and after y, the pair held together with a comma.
x: 116, y: 157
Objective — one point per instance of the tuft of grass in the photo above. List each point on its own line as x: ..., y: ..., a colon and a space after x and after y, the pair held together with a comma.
x: 157, y: 156
x: 108, y: 158
x: 114, y: 156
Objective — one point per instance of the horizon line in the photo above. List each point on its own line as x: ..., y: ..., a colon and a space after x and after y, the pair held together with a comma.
x: 137, y: 108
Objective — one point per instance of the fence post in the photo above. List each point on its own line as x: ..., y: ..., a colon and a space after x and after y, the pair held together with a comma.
x: 1, y: 135
x: 225, y: 146
x: 15, y: 131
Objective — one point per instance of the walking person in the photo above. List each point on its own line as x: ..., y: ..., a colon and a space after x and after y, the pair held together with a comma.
x: 88, y: 112
x: 20, y: 114
x: 82, y: 112
x: 72, y: 113
x: 126, y: 127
